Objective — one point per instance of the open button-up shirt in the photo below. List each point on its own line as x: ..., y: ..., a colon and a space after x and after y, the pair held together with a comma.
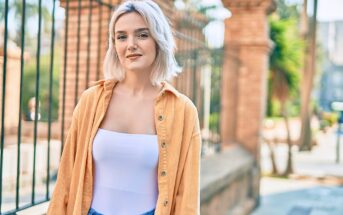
x: 178, y: 133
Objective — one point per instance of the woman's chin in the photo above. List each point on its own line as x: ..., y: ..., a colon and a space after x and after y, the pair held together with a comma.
x: 137, y: 68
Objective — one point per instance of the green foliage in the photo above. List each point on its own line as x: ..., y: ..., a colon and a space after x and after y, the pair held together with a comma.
x: 286, y: 11
x: 29, y: 85
x: 217, y: 62
x: 327, y: 119
x: 30, y: 65
x: 31, y: 16
x: 285, y: 62
x: 2, y: 10
x: 214, y: 122
x: 287, y: 54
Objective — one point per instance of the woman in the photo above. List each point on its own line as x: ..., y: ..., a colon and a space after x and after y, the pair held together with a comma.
x: 134, y: 143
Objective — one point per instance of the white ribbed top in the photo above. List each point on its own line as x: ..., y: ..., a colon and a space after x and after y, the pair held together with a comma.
x: 125, y: 180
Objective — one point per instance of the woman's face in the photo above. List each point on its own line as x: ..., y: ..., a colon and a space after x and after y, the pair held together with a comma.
x: 134, y: 44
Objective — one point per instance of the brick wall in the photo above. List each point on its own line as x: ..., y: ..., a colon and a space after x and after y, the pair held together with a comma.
x: 76, y: 83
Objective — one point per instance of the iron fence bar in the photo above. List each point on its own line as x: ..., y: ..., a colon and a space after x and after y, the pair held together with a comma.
x: 52, y: 47
x: 194, y: 58
x: 3, y: 99
x: 64, y: 72
x: 189, y: 59
x: 99, y: 44
x: 20, y: 102
x: 189, y: 39
x: 220, y: 104
x: 104, y: 3
x: 14, y: 211
x: 36, y: 100
x: 77, y: 52
x: 195, y: 72
x: 89, y: 41
x: 109, y: 17
x: 110, y: 12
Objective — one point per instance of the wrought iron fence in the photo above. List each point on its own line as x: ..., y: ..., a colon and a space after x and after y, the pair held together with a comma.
x: 46, y: 63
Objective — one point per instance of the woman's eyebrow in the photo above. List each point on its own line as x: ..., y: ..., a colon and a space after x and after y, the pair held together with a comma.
x: 137, y: 30
x: 142, y: 29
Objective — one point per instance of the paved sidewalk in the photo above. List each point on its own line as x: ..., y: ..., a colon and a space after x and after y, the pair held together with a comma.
x: 315, y: 188
x: 319, y: 162
x: 299, y: 197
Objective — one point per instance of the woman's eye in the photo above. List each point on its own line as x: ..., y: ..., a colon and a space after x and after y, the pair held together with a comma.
x: 143, y: 35
x: 121, y: 37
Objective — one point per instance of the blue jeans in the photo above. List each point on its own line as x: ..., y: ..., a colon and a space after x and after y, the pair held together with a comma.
x: 93, y: 212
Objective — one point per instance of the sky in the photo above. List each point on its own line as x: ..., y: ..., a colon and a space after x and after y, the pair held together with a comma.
x: 328, y: 10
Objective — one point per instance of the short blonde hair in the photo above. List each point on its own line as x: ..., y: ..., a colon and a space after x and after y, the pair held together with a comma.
x: 165, y: 65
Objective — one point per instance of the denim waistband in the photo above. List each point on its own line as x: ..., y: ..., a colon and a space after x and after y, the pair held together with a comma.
x: 94, y: 212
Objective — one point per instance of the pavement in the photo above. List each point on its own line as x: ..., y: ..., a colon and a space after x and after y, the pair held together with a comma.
x: 315, y: 188
x: 299, y: 197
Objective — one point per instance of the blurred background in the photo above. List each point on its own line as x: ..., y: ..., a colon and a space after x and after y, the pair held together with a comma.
x: 265, y: 75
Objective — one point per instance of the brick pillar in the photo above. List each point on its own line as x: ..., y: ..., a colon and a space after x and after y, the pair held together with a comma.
x: 100, y: 17
x: 12, y: 87
x: 244, y: 78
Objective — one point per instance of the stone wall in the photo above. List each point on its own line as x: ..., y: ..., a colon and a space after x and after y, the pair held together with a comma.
x: 229, y: 181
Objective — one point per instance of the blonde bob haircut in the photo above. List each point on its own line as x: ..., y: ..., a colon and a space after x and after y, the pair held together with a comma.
x: 165, y: 65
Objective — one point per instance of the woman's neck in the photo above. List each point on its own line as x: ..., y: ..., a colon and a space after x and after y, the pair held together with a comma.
x: 137, y: 84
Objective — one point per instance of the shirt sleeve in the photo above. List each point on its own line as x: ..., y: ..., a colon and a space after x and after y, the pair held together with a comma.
x: 59, y: 199
x: 188, y: 194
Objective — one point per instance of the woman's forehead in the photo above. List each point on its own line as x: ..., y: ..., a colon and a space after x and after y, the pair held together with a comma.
x: 130, y: 22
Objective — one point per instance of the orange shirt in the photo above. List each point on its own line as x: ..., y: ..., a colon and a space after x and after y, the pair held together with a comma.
x: 178, y: 133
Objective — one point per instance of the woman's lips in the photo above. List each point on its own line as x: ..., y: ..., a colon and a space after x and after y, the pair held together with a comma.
x: 134, y: 56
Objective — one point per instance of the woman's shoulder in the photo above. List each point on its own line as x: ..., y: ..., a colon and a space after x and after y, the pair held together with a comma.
x: 187, y: 102
x: 187, y: 108
x: 96, y: 88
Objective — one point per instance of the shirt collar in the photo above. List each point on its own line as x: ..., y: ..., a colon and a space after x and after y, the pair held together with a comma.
x: 168, y: 87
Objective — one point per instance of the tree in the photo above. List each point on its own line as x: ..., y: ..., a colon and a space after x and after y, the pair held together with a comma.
x: 309, y: 70
x: 285, y: 63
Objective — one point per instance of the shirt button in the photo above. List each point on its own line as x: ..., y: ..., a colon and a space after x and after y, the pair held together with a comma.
x: 163, y: 144
x: 160, y: 117
x: 163, y: 173
x: 165, y: 203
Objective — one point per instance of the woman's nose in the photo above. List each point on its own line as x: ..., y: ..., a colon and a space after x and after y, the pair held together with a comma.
x: 132, y: 45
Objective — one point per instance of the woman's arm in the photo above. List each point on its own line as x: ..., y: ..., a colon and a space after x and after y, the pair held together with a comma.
x: 188, y: 194
x: 59, y: 199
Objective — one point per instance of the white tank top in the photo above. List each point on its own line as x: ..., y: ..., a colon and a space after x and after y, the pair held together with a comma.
x: 125, y: 179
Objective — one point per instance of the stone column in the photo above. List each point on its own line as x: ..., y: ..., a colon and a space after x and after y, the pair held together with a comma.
x: 244, y: 78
